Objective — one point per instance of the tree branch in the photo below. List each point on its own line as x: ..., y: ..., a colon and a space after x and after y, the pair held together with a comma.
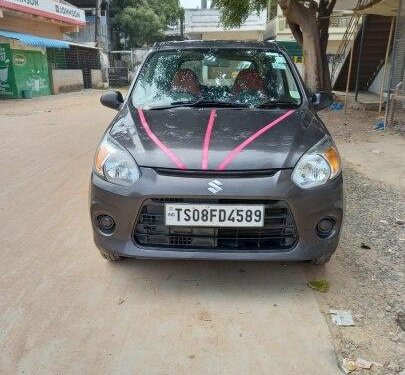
x: 331, y: 6
x: 296, y: 32
x: 295, y: 11
x: 313, y: 5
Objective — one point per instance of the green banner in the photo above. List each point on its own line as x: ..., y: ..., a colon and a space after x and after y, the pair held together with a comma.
x: 31, y: 72
x: 23, y: 71
x: 7, y: 82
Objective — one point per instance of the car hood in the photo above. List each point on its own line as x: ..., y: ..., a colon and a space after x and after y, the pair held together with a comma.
x: 174, y: 138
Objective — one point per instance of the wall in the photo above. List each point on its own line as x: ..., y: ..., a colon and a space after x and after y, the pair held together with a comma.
x: 376, y: 84
x: 96, y: 78
x: 137, y: 57
x: 333, y: 46
x: 65, y: 80
x: 208, y: 20
x: 24, y: 25
x: 300, y: 68
x: 232, y: 35
x: 86, y: 35
x: 78, y: 57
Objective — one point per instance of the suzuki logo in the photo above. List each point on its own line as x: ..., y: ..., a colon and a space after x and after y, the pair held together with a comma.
x: 215, y: 186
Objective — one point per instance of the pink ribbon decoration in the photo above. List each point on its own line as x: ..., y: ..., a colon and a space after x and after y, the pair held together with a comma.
x: 207, y: 139
x: 248, y: 141
x: 158, y: 143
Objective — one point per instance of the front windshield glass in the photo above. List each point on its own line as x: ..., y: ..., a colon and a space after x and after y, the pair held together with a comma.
x: 247, y: 78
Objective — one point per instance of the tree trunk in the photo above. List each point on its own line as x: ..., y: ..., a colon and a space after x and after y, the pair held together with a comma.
x: 324, y: 11
x: 313, y: 36
x: 314, y: 74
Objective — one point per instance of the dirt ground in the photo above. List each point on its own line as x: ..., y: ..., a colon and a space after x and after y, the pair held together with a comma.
x: 65, y: 310
x: 369, y: 280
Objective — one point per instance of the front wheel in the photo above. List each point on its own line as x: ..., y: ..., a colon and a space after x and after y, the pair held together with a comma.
x: 111, y: 257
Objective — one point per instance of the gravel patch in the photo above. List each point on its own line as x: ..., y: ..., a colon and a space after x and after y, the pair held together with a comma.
x: 368, y: 280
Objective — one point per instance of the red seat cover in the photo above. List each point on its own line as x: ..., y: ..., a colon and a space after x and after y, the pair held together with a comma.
x: 248, y: 79
x: 185, y: 80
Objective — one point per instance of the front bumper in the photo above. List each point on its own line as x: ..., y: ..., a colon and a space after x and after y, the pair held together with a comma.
x: 307, y: 206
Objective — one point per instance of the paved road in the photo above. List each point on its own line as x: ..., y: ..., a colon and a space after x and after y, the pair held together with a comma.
x: 65, y: 310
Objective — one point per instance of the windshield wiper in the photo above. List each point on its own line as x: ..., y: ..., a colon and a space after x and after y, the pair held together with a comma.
x: 201, y: 103
x: 217, y: 103
x: 278, y: 104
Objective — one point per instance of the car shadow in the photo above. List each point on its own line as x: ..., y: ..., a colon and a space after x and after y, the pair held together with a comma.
x: 214, y: 277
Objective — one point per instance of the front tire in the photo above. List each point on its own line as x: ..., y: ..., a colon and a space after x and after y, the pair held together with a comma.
x: 111, y: 257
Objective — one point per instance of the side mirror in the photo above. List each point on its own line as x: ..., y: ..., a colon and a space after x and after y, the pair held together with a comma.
x: 321, y: 100
x: 112, y: 99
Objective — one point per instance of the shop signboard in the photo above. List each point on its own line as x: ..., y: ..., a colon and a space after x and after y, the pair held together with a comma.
x: 48, y: 9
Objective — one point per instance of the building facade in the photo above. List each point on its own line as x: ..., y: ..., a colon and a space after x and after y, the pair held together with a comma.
x: 87, y: 35
x: 277, y: 26
x: 27, y: 30
x: 35, y: 59
x: 46, y: 18
x: 205, y: 24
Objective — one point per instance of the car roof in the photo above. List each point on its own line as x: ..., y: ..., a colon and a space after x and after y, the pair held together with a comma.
x: 216, y: 44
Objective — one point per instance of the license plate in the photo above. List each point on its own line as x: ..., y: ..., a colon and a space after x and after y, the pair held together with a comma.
x: 214, y: 215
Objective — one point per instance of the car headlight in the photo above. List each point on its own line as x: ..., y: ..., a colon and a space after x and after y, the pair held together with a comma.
x: 113, y: 163
x: 318, y: 165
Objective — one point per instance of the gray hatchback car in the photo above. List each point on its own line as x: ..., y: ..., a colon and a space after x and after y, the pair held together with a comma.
x: 208, y: 160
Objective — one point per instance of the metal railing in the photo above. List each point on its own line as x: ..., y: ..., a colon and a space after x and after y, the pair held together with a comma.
x: 395, y: 113
x: 353, y: 26
x: 337, y: 21
x: 118, y: 76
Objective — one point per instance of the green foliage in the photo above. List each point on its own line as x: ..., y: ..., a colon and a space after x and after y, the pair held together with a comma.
x: 140, y: 22
x: 139, y: 25
x: 235, y: 12
x: 321, y: 285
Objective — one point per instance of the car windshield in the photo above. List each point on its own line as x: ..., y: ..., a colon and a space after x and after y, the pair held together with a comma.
x: 216, y: 77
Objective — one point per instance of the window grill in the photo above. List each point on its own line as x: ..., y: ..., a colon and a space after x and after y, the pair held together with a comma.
x: 76, y: 57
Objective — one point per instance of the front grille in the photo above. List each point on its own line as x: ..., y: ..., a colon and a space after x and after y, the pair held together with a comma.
x: 192, y: 173
x: 277, y: 234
